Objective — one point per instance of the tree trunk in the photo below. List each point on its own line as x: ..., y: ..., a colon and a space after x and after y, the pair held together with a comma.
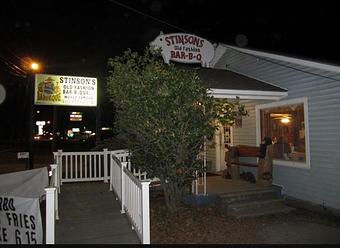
x: 172, y: 194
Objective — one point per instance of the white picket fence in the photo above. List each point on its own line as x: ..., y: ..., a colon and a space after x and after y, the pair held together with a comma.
x: 52, y: 212
x: 90, y: 166
x: 130, y: 185
x: 133, y: 195
x: 82, y: 166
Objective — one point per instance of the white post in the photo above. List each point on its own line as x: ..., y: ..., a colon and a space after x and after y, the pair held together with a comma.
x: 193, y: 186
x: 56, y: 184
x: 196, y: 183
x: 145, y: 213
x: 205, y: 182
x: 59, y: 162
x: 56, y: 206
x: 50, y: 215
x: 205, y: 161
x: 111, y: 172
x: 54, y: 167
x: 122, y: 211
x: 105, y: 165
x: 205, y: 165
x: 218, y: 148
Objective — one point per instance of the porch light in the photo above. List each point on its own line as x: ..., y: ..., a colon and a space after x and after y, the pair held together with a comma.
x: 285, y: 120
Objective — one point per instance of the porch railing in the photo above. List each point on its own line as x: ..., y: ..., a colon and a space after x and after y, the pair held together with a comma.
x: 133, y: 195
x: 123, y: 156
x: 83, y: 166
x: 201, y: 180
x: 129, y: 184
x: 90, y: 166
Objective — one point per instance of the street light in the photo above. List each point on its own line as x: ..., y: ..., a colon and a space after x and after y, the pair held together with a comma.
x: 32, y: 68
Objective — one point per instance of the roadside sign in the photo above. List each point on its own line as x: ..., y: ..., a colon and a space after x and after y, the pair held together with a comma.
x: 23, y: 155
x: 60, y: 90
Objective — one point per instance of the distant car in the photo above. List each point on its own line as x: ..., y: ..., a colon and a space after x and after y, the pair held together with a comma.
x: 43, y: 137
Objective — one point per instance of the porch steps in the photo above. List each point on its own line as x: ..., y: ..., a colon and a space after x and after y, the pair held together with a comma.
x: 252, y: 203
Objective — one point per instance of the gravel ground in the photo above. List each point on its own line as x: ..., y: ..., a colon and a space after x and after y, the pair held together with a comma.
x: 207, y: 226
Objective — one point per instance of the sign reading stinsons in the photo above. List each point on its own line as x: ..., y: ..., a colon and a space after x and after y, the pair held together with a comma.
x: 184, y: 48
x: 65, y: 90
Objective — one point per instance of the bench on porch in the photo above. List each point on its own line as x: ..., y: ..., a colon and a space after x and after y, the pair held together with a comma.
x: 263, y: 165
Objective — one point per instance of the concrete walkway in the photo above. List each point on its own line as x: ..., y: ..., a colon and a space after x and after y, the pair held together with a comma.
x: 89, y: 214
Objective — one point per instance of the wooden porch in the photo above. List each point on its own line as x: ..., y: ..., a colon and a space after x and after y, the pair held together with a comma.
x: 240, y: 198
x: 219, y: 185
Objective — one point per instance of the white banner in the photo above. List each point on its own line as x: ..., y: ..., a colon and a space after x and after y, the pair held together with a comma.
x: 20, y: 220
x: 29, y: 183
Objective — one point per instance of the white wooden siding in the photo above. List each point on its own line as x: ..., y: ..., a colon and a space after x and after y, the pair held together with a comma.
x: 246, y: 135
x: 319, y: 184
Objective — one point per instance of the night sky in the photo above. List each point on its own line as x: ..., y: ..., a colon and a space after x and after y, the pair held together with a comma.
x: 81, y: 35
x: 77, y: 37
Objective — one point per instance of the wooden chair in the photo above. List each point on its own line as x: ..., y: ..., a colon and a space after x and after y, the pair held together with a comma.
x: 264, y: 165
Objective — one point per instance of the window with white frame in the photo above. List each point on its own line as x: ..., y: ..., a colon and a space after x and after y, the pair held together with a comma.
x: 285, y: 122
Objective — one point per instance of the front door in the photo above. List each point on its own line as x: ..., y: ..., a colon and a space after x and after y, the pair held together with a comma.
x: 216, y: 148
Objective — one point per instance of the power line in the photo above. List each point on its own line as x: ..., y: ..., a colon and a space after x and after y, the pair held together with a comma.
x: 8, y: 49
x: 15, y: 70
x: 14, y: 73
x: 12, y: 66
x: 184, y: 30
x: 149, y: 16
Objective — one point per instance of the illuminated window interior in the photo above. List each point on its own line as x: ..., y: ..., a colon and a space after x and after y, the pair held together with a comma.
x: 285, y: 126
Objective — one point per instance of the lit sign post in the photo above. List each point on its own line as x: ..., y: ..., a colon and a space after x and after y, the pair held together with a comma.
x: 40, y: 125
x: 76, y: 116
x: 60, y: 90
x: 184, y: 48
x: 65, y: 90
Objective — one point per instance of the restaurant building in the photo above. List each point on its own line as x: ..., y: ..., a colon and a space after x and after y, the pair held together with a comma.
x: 293, y: 101
x: 302, y: 119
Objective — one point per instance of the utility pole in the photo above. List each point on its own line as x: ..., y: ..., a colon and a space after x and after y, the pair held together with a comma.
x: 30, y: 134
x: 98, y: 115
x: 30, y: 137
x: 54, y: 131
